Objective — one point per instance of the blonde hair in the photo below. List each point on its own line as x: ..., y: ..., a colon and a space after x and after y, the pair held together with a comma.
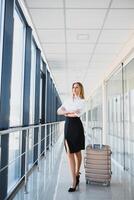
x: 81, y: 89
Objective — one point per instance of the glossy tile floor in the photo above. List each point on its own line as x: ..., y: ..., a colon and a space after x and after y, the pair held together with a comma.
x: 52, y: 181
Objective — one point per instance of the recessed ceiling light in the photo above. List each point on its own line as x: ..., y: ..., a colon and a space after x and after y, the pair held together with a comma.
x: 82, y: 36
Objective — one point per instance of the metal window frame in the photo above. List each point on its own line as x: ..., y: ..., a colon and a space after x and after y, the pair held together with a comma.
x: 1, y: 38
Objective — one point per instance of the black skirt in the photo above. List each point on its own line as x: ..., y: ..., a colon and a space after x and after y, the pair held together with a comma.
x: 74, y: 134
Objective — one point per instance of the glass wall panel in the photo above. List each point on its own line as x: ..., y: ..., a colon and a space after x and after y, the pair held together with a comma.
x: 120, y: 96
x: 2, y: 2
x: 14, y: 170
x: 32, y: 102
x: 42, y: 106
x: 16, y: 99
x: 95, y: 113
x: 41, y: 84
x: 32, y: 84
x: 115, y: 116
x: 31, y: 143
x: 41, y: 90
x: 128, y: 75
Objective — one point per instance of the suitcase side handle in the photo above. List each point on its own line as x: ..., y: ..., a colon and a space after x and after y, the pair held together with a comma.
x: 93, y: 129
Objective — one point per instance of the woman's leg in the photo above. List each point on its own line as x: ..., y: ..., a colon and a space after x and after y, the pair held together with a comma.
x: 78, y: 159
x: 72, y: 164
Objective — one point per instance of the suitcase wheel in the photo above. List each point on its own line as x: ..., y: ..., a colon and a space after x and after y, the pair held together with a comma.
x: 108, y: 183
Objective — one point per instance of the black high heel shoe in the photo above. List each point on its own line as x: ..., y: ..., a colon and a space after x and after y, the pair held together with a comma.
x: 72, y: 189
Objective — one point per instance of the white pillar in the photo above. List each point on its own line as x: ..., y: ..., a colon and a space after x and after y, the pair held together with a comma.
x: 104, y: 112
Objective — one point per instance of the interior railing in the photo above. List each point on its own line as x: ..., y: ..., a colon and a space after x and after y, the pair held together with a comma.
x: 47, y: 134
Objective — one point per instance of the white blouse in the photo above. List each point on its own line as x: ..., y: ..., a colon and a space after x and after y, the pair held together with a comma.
x: 75, y: 104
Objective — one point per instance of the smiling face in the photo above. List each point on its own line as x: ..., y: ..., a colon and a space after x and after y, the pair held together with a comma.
x: 76, y: 89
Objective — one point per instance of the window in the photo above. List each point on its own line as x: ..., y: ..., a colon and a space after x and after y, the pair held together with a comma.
x: 16, y: 100
x: 32, y: 84
x: 41, y: 84
x: 14, y: 169
x: 32, y: 102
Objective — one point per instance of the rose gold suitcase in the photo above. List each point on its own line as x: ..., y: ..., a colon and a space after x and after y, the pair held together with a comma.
x: 98, y: 162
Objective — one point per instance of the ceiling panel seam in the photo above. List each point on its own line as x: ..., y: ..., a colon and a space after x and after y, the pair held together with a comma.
x: 107, y: 12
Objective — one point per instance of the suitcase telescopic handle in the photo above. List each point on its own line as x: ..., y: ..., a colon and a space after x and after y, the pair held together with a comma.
x: 93, y: 129
x: 97, y: 127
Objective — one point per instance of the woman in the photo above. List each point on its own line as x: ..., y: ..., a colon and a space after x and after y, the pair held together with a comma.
x: 74, y: 139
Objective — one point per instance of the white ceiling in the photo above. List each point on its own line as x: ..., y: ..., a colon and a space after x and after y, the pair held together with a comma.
x: 81, y: 38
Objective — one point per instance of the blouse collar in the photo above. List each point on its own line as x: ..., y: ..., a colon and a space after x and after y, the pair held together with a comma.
x: 76, y: 98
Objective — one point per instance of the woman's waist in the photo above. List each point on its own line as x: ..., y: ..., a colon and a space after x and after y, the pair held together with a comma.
x: 72, y: 118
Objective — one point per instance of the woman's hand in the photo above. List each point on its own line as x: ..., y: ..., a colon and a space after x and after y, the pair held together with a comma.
x: 70, y: 114
x: 61, y: 111
x: 77, y: 111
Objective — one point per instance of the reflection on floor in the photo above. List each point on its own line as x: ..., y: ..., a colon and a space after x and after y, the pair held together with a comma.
x: 41, y: 184
x: 121, y: 187
x: 53, y: 181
